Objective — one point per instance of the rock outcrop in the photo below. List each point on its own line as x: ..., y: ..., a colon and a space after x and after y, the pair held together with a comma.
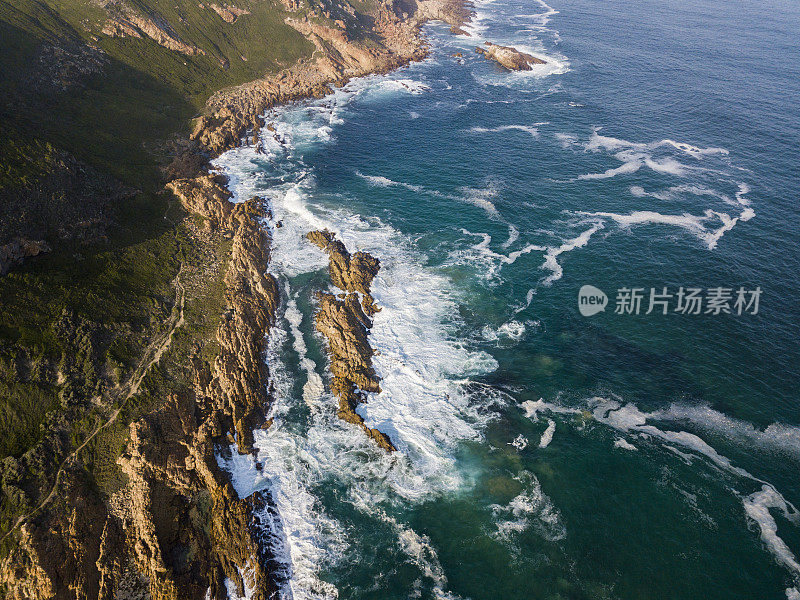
x: 341, y: 54
x: 176, y: 529
x: 237, y: 379
x: 508, y: 57
x: 17, y: 250
x: 345, y: 321
x: 228, y: 13
x: 129, y: 22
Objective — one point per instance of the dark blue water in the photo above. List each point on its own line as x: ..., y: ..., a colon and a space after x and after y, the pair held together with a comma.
x: 546, y: 454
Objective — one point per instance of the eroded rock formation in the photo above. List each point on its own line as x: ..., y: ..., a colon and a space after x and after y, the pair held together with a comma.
x: 229, y: 13
x: 238, y: 377
x: 177, y: 528
x: 508, y: 57
x: 126, y: 21
x: 345, y: 321
x: 341, y: 54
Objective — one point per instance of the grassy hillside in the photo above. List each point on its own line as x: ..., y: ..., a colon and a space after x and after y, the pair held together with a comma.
x: 88, y: 122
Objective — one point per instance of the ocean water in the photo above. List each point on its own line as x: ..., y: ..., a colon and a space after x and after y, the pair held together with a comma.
x: 544, y: 454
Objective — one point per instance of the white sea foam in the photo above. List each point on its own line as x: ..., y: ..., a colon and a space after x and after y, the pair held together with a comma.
x: 491, y: 262
x: 637, y: 155
x: 679, y: 191
x: 233, y: 592
x: 427, y: 405
x: 532, y: 130
x: 512, y: 331
x: 603, y: 142
x: 757, y: 506
x: 629, y: 419
x: 551, y: 256
x: 381, y: 181
x: 547, y: 436
x: 527, y: 36
x: 694, y: 224
x: 303, y: 538
x: 419, y: 549
x: 513, y: 236
x: 530, y: 508
x: 708, y: 227
x: 423, y: 407
x: 520, y: 443
x: 623, y: 444
x: 480, y: 197
x: 313, y: 388
x: 777, y: 438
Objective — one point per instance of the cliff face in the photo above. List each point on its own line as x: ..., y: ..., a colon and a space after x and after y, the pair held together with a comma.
x: 345, y: 321
x: 177, y: 529
x: 341, y: 54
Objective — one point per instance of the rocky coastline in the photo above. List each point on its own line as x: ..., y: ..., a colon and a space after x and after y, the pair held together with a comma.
x: 177, y: 529
x: 235, y: 113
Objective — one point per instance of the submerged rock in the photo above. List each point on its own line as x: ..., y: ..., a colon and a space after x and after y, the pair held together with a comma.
x: 508, y: 57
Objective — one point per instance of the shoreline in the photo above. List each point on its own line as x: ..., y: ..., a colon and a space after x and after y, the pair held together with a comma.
x: 176, y: 528
x: 234, y: 115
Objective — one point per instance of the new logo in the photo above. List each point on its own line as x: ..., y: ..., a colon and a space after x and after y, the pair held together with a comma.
x: 591, y: 300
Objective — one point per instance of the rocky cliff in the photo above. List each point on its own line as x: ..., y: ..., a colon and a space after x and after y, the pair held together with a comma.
x: 177, y: 529
x: 342, y: 53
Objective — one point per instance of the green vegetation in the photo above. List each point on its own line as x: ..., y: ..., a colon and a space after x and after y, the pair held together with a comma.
x: 87, y: 123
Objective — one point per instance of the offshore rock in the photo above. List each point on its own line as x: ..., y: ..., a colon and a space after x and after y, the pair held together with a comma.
x: 350, y: 273
x: 345, y: 321
x: 510, y: 58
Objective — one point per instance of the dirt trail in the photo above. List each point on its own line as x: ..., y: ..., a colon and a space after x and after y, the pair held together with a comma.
x: 123, y: 392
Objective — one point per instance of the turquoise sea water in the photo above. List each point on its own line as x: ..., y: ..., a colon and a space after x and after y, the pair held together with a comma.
x: 544, y: 454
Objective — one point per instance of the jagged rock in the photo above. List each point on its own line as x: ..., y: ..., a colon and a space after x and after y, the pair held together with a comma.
x: 207, y: 197
x: 18, y: 250
x: 61, y: 549
x: 340, y: 56
x: 239, y: 375
x: 190, y: 529
x: 228, y: 13
x: 351, y: 273
x: 130, y: 23
x: 177, y: 527
x: 510, y: 58
x: 345, y: 323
